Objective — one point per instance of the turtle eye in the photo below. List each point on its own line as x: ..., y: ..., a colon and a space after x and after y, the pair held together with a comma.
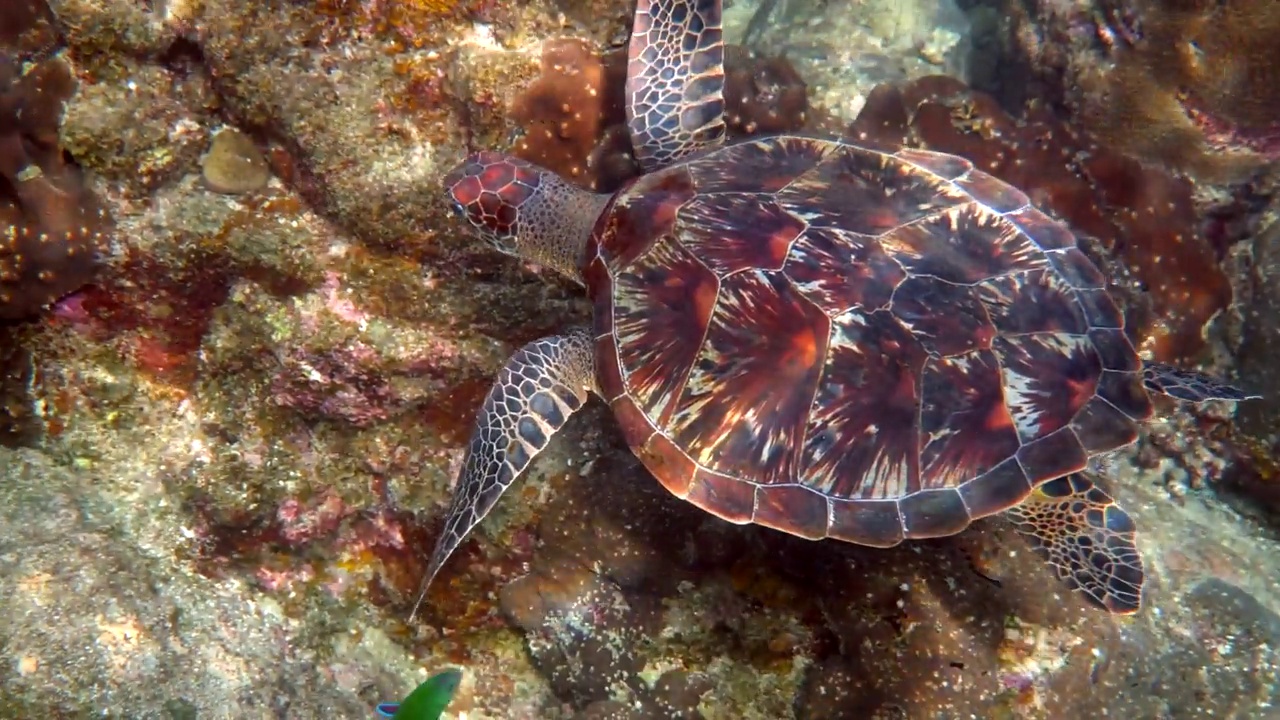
x: 458, y: 210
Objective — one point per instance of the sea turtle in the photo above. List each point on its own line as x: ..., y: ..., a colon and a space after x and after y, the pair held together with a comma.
x: 832, y: 340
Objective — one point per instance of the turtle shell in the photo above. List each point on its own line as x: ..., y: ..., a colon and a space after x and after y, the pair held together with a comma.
x: 835, y: 341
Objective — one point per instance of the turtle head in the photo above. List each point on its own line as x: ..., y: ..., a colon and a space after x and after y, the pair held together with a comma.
x: 523, y: 210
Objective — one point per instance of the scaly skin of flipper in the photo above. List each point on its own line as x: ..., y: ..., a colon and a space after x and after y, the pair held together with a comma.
x: 542, y: 385
x: 1189, y: 385
x: 1087, y: 539
x: 675, y: 80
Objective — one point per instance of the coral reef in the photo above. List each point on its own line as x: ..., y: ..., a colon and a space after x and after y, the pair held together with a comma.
x: 19, y: 424
x: 222, y: 463
x: 102, y: 613
x: 1258, y: 477
x: 843, y: 51
x: 1187, y: 84
x: 411, y: 23
x: 28, y: 28
x: 142, y: 136
x: 1198, y: 85
x: 1144, y: 217
x: 52, y: 228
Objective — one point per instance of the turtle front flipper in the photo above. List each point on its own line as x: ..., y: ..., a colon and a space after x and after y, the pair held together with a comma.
x: 1189, y: 385
x: 1078, y: 528
x: 542, y: 385
x: 675, y: 80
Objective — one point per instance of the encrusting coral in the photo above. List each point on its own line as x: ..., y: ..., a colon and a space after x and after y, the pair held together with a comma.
x: 52, y: 229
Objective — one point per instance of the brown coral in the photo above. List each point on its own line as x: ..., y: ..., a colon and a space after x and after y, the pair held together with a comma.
x: 51, y: 227
x: 565, y: 112
x: 763, y: 94
x: 574, y: 114
x: 1144, y: 217
x: 27, y: 27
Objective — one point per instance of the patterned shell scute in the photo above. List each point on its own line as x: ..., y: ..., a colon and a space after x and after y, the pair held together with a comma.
x: 838, y: 342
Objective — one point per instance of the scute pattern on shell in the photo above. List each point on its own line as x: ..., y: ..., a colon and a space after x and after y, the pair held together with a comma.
x: 840, y: 342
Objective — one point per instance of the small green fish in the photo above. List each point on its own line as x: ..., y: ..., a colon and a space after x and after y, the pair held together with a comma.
x: 427, y: 701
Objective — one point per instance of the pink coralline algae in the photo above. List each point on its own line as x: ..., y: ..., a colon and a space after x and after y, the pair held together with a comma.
x: 344, y: 383
x: 321, y: 539
x: 300, y: 522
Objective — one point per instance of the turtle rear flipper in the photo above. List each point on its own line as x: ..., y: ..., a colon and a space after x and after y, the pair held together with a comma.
x: 542, y: 385
x: 1190, y: 385
x: 675, y: 80
x: 1088, y: 539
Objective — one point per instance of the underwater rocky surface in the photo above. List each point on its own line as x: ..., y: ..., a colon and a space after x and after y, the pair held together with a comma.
x: 224, y: 458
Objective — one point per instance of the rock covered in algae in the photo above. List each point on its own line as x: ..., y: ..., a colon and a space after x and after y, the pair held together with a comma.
x: 143, y: 133
x: 1258, y: 477
x: 126, y: 632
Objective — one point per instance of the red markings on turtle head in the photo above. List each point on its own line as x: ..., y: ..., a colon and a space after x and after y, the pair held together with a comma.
x: 488, y: 190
